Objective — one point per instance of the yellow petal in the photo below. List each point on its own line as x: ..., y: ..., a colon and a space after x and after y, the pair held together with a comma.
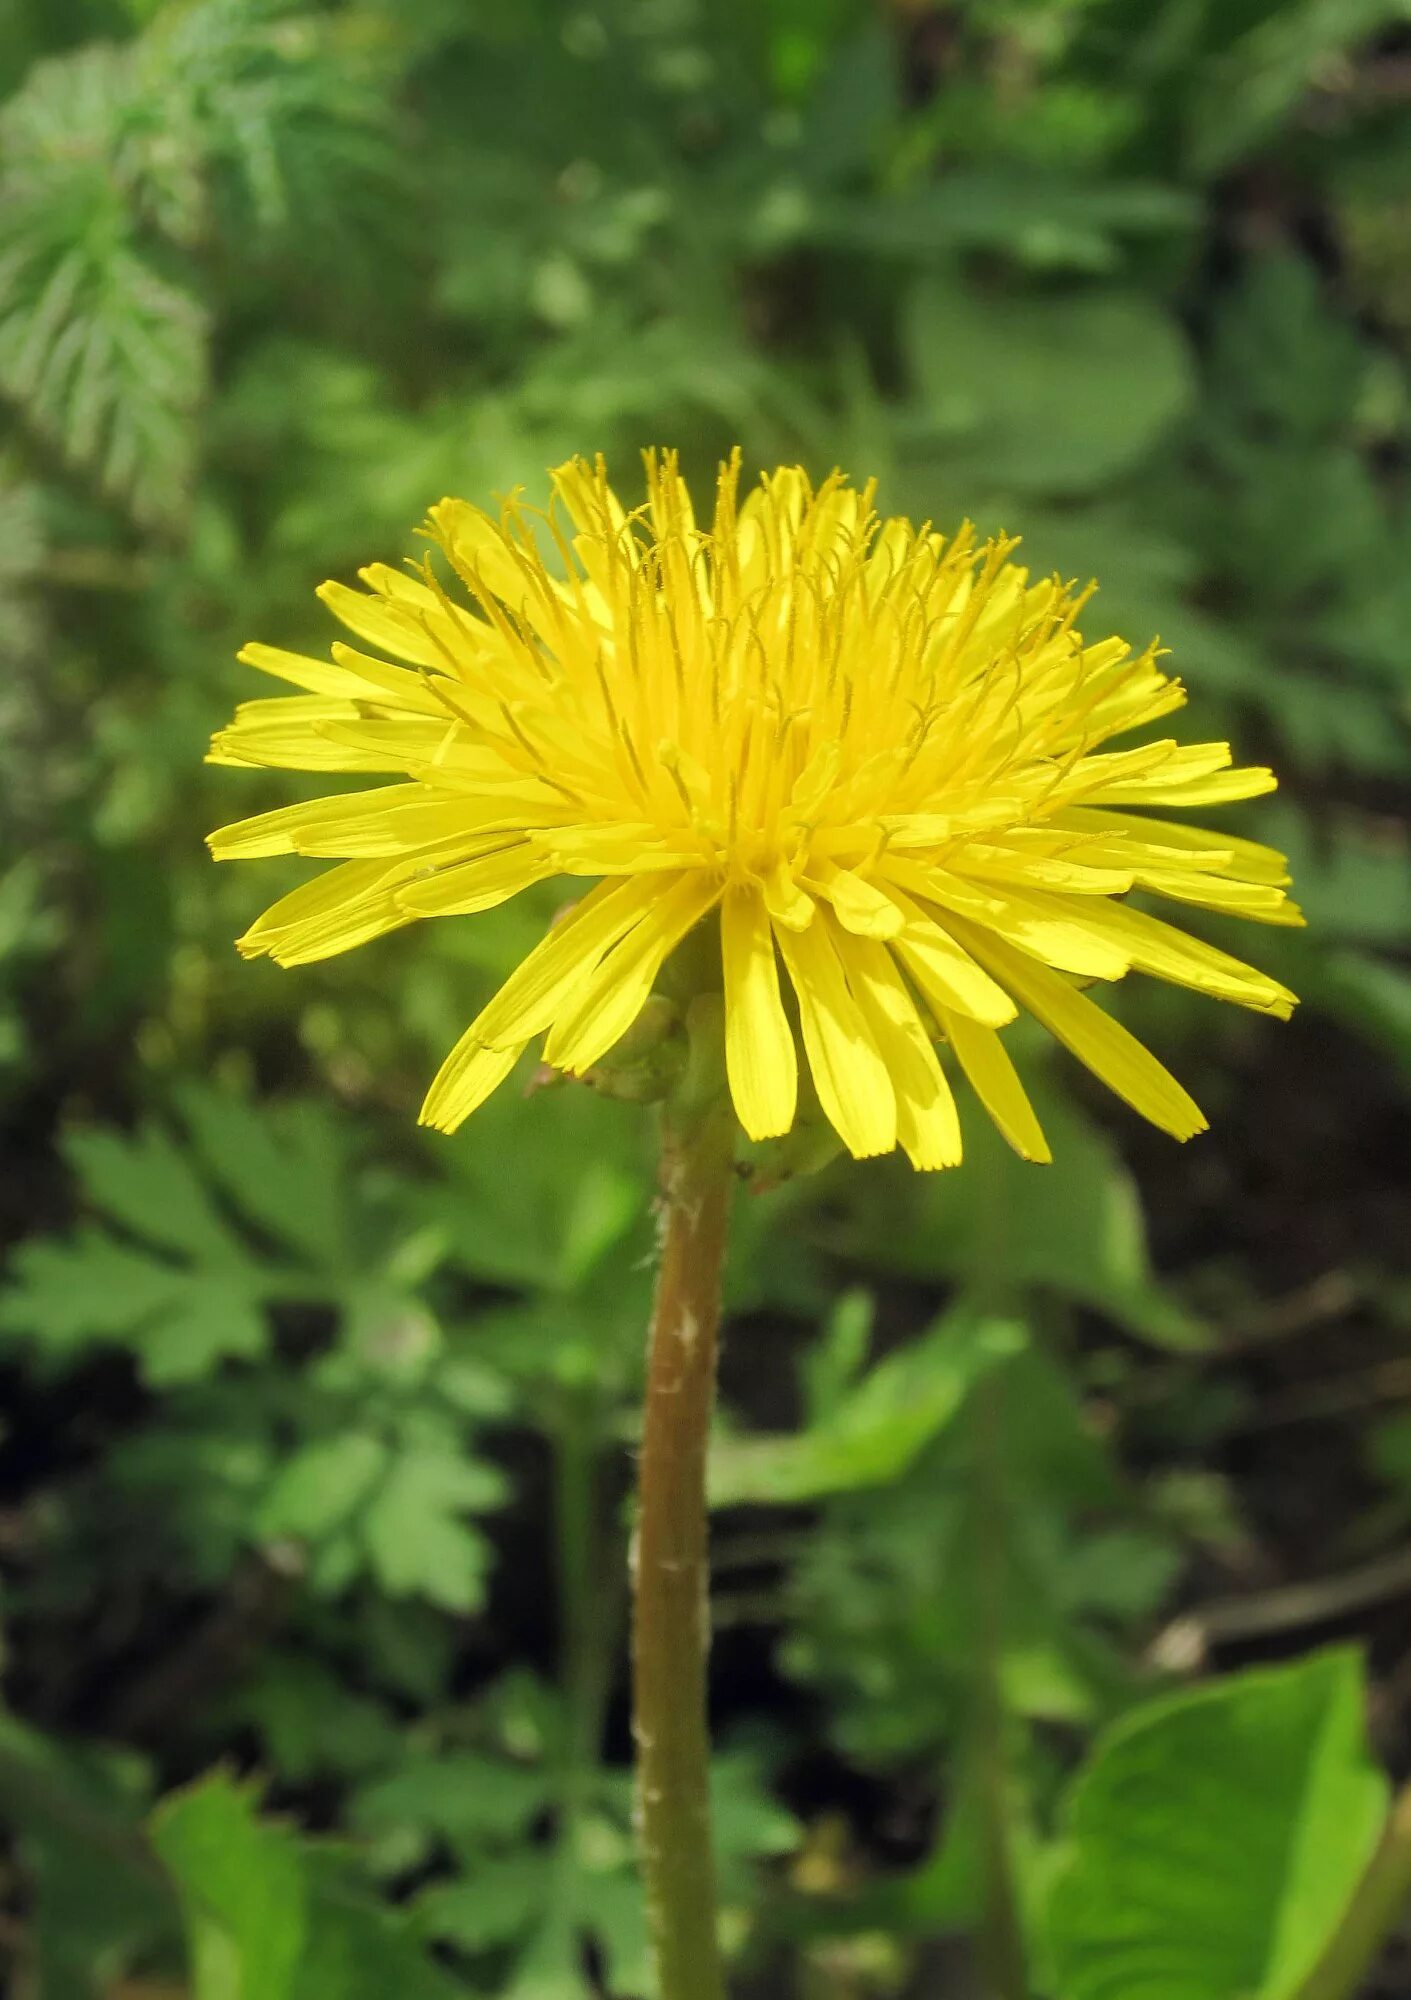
x: 1249, y: 858
x: 391, y: 628
x: 860, y: 905
x: 476, y: 884
x: 545, y: 981
x: 1060, y: 939
x: 340, y: 908
x: 464, y: 1081
x: 610, y: 999
x: 946, y: 975
x: 787, y: 902
x: 851, y: 1077
x: 928, y: 1126
x: 760, y: 1058
x: 1103, y: 1044
x: 995, y: 1081
x: 280, y: 831
x: 1221, y: 788
x: 1167, y: 953
x: 1039, y: 871
x: 525, y: 1004
x: 317, y: 676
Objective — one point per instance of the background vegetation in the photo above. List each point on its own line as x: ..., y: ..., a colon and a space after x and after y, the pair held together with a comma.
x: 1045, y: 1497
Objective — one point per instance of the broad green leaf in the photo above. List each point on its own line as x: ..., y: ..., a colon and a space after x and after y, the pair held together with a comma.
x: 243, y: 1889
x: 272, y: 1916
x: 1214, y: 1838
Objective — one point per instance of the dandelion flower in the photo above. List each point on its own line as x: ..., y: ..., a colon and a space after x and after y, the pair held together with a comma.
x: 879, y: 760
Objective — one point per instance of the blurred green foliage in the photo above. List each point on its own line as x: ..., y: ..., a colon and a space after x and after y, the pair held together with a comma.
x: 312, y: 1487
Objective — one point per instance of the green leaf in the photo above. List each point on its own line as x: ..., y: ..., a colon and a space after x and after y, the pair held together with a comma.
x: 464, y: 1795
x: 208, y: 1322
x: 413, y: 1530
x: 1075, y: 1229
x: 357, y: 1948
x: 1025, y: 392
x: 270, y: 1916
x: 97, y: 1898
x: 1245, y: 96
x: 1374, y: 996
x: 323, y: 1485
x: 1045, y: 220
x: 284, y: 1166
x: 870, y: 1438
x: 103, y: 351
x: 1215, y: 1837
x: 71, y: 1293
x: 179, y: 1324
x: 496, y: 1902
x: 243, y: 1889
x: 192, y: 1289
x: 144, y: 1181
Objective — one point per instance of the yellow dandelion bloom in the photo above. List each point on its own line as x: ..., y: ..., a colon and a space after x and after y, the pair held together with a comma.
x: 876, y: 758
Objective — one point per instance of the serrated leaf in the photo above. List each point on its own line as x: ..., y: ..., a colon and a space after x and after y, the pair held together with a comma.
x: 357, y: 1948
x: 67, y: 1294
x: 497, y: 1901
x: 144, y: 1181
x: 179, y: 1324
x: 413, y: 1529
x: 284, y: 1167
x: 323, y: 1485
x: 464, y: 1795
x: 104, y: 353
x: 1215, y: 1837
x: 209, y: 1321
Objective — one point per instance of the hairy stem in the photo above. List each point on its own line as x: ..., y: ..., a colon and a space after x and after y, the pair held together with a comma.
x: 671, y: 1628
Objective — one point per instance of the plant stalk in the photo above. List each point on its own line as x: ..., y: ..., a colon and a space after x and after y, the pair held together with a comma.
x: 671, y: 1625
x: 1001, y: 1941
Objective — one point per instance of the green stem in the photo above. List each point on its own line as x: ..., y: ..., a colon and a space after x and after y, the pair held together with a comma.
x: 585, y: 1625
x: 671, y: 1627
x: 1371, y: 1916
x: 1001, y: 1942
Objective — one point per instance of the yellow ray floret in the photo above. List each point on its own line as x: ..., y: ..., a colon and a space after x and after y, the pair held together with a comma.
x: 881, y: 761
